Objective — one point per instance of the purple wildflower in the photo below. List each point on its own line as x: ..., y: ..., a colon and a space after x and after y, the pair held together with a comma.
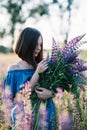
x: 80, y: 65
x: 7, y: 107
x: 21, y: 105
x: 48, y: 59
x: 42, y: 117
x: 54, y: 51
x: 71, y: 47
x: 72, y: 58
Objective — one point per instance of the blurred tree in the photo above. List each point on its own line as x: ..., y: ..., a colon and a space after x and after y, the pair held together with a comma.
x: 63, y: 9
x: 5, y: 49
x: 17, y: 8
x: 2, y: 33
x: 14, y: 9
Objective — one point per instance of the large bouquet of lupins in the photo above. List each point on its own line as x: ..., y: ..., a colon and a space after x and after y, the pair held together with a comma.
x: 65, y: 71
x: 65, y: 68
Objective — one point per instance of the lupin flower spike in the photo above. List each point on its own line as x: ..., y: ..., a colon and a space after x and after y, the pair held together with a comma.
x: 72, y: 46
x: 54, y: 51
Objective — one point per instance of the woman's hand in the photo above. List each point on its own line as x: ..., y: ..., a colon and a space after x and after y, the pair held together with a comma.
x: 42, y: 66
x: 43, y: 93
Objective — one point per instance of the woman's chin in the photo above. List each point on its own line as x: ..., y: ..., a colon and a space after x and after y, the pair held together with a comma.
x: 36, y: 55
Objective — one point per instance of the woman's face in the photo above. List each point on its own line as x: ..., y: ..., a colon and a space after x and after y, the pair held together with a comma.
x: 38, y: 47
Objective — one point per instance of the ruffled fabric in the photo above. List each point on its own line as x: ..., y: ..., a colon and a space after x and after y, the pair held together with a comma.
x: 15, y: 79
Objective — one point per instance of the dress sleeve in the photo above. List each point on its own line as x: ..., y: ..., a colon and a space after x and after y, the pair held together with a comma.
x: 11, y: 82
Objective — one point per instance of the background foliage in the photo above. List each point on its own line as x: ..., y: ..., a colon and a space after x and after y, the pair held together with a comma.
x: 18, y: 11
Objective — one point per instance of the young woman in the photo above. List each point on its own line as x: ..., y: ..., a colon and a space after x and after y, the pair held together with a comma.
x: 29, y: 47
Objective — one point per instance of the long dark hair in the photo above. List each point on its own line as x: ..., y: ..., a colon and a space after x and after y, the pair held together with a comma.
x: 26, y: 44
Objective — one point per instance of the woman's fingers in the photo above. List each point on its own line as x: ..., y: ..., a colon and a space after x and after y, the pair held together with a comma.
x: 43, y: 93
x: 39, y: 90
x: 42, y: 66
x: 44, y: 61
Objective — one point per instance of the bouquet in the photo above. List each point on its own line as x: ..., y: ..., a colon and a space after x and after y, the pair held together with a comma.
x: 65, y: 70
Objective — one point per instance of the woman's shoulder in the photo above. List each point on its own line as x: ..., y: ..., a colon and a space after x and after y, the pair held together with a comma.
x: 20, y: 66
x: 13, y: 67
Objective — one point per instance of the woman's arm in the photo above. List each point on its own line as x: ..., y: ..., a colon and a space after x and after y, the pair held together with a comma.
x: 42, y: 93
x: 42, y: 66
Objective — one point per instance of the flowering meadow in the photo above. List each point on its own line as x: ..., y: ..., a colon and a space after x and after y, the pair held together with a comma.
x: 71, y: 111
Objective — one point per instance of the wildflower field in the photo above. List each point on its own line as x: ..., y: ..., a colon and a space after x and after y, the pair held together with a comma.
x: 71, y: 111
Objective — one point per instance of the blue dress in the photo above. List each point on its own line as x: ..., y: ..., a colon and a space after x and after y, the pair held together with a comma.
x: 15, y: 78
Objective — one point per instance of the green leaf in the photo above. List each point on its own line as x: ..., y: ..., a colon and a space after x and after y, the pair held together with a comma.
x: 79, y: 79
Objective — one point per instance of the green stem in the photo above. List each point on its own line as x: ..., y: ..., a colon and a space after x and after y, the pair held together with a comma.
x: 54, y: 73
x: 36, y: 109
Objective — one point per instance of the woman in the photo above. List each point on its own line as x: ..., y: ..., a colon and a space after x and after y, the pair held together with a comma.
x: 29, y: 47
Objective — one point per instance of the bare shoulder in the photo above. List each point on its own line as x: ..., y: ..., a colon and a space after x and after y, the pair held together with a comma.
x: 21, y: 65
x: 13, y: 67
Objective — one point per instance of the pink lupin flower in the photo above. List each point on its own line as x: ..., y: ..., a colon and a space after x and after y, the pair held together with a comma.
x: 65, y: 121
x: 42, y: 116
x: 59, y: 93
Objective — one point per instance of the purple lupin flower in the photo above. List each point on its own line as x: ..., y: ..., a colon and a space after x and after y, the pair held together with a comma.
x: 73, y: 57
x: 42, y: 117
x: 82, y: 68
x: 79, y: 65
x: 48, y: 59
x: 71, y: 47
x: 7, y: 107
x: 54, y: 51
